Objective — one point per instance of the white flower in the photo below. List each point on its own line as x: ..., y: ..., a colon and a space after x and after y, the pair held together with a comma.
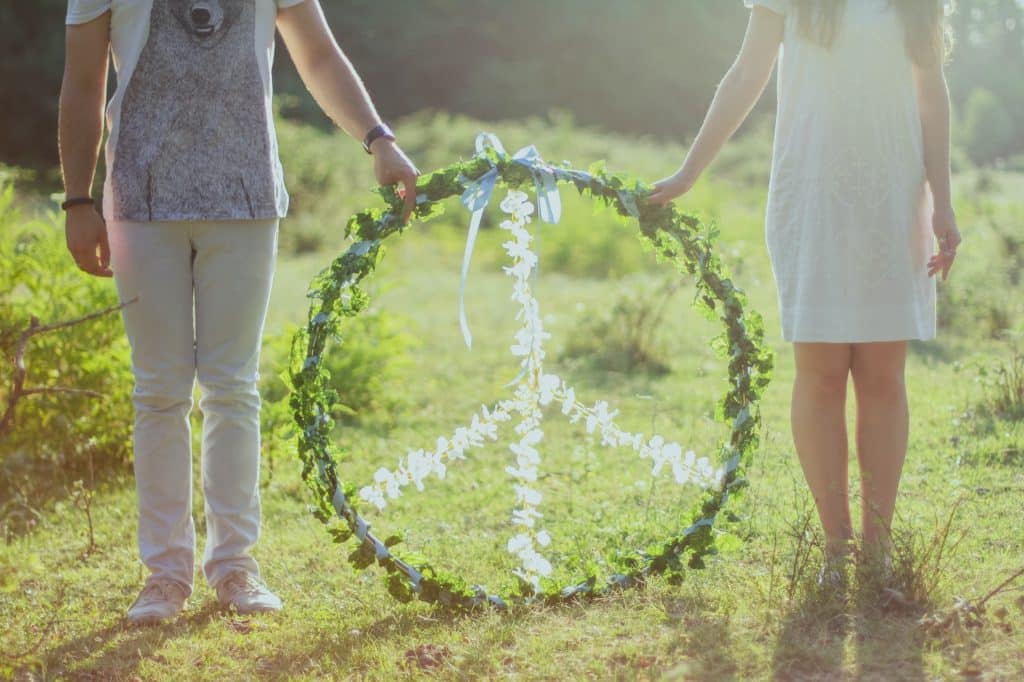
x: 522, y: 473
x: 526, y: 495
x: 523, y: 344
x: 519, y: 250
x: 537, y: 564
x: 533, y: 580
x: 543, y: 538
x: 420, y: 465
x: 388, y: 482
x: 533, y: 437
x: 527, y: 516
x: 514, y: 200
x: 704, y: 470
x: 462, y: 438
x: 569, y: 403
x: 518, y: 543
x: 520, y: 269
x: 681, y: 474
x: 549, y: 384
x: 374, y: 496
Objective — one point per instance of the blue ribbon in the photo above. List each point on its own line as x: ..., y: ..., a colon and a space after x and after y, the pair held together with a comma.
x: 478, y: 195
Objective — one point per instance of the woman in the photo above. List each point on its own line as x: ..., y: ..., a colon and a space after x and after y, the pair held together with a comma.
x: 189, y: 226
x: 860, y: 182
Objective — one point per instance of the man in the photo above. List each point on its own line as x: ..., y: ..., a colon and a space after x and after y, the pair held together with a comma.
x: 188, y: 228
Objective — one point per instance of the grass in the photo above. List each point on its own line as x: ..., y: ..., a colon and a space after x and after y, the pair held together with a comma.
x: 754, y: 613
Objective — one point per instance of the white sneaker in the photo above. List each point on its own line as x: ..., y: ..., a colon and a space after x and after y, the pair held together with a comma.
x: 246, y: 593
x: 159, y: 600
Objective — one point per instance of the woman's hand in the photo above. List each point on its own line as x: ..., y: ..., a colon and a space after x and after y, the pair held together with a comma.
x: 736, y: 96
x: 393, y: 167
x: 670, y: 188
x: 948, y: 236
x: 87, y: 240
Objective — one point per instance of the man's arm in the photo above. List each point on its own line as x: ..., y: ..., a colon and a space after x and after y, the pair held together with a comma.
x: 82, y: 97
x: 337, y: 88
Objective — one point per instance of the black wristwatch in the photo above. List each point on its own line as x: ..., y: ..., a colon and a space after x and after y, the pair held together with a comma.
x: 77, y: 201
x: 378, y: 132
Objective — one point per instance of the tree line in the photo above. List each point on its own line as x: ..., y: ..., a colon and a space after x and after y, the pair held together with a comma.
x: 646, y: 67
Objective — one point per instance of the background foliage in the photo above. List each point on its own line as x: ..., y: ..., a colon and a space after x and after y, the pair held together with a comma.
x: 646, y: 67
x: 57, y: 437
x: 754, y: 613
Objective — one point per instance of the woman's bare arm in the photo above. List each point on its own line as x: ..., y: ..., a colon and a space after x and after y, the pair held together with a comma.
x: 933, y: 101
x: 736, y: 96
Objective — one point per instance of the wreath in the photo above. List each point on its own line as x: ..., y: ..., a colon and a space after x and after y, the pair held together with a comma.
x: 336, y: 295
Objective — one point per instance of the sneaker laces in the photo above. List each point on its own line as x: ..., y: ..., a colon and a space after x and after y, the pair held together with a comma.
x: 241, y: 581
x: 156, y: 590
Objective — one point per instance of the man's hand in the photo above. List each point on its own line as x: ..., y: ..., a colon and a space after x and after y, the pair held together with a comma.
x: 87, y: 240
x: 339, y: 91
x: 393, y: 167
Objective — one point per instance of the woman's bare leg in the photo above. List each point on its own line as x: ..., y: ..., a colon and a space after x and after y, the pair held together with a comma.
x: 819, y: 432
x: 883, y: 419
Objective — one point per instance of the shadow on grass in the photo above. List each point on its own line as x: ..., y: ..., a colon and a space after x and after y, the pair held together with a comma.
x: 812, y: 639
x: 889, y: 643
x: 707, y: 646
x: 817, y: 629
x: 336, y: 649
x: 132, y: 645
x: 28, y: 490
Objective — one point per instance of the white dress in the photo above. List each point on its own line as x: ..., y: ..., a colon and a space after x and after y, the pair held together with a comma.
x: 849, y: 211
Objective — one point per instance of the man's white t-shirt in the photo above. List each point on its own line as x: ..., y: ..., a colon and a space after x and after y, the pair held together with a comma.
x: 191, y: 127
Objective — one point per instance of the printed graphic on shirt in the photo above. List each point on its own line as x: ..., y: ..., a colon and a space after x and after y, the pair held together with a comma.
x: 194, y: 137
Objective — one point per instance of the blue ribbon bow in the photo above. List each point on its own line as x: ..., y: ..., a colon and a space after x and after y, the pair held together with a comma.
x: 478, y: 195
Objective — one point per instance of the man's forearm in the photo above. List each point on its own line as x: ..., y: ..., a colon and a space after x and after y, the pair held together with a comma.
x: 337, y: 88
x: 80, y: 134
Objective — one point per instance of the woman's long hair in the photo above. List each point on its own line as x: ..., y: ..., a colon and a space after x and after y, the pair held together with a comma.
x: 928, y: 40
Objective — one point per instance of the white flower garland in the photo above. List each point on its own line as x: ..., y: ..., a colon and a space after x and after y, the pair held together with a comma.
x: 534, y: 390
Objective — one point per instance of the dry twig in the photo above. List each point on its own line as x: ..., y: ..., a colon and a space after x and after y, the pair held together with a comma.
x: 18, y: 390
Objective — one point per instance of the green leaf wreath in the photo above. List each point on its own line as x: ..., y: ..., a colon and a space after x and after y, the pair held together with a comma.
x: 336, y: 295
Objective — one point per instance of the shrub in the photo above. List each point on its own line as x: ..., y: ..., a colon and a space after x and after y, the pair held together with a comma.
x: 59, y: 432
x: 365, y: 370
x: 624, y: 338
x: 981, y: 298
x: 988, y: 128
x: 1003, y: 381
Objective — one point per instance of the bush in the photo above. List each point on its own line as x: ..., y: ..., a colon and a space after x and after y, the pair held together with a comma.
x: 624, y: 338
x: 1003, y: 381
x: 365, y: 370
x: 988, y: 128
x: 981, y: 298
x: 59, y: 432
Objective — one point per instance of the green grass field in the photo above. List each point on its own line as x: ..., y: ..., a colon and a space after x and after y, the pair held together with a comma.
x: 753, y: 613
